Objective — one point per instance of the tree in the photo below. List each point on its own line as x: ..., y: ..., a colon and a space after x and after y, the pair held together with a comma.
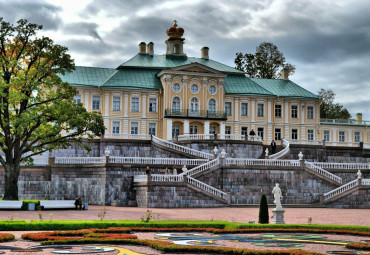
x: 329, y: 109
x: 37, y: 112
x: 263, y: 216
x: 267, y: 62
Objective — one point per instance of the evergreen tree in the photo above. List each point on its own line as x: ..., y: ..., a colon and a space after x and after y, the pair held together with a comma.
x: 263, y: 217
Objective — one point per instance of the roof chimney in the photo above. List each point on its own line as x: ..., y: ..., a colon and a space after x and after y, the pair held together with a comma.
x: 150, y: 49
x: 204, y: 52
x: 142, y: 48
x: 359, y: 118
x: 285, y: 74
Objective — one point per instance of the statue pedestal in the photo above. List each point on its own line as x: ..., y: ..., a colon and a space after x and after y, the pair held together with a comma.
x: 278, y: 216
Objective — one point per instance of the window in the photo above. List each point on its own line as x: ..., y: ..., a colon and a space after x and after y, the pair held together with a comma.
x: 326, y: 135
x: 176, y: 87
x: 244, y: 130
x: 193, y: 129
x: 152, y: 105
x: 260, y: 110
x: 212, y: 106
x: 277, y: 111
x: 176, y: 104
x: 96, y: 103
x: 175, y: 130
x: 116, y: 103
x: 194, y: 105
x: 310, y: 133
x: 357, y: 137
x: 294, y: 134
x: 135, y: 104
x: 244, y: 109
x: 152, y: 128
x: 115, y: 127
x: 277, y: 134
x: 228, y: 108
x: 212, y: 90
x: 176, y: 49
x: 212, y: 129
x: 294, y: 111
x: 227, y: 130
x: 260, y: 132
x: 310, y: 112
x: 77, y: 99
x: 134, y: 128
x: 194, y: 88
x: 342, y: 136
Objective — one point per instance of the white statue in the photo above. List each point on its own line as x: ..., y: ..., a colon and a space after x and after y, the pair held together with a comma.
x: 184, y: 169
x: 266, y: 152
x: 107, y: 152
x: 277, y: 196
x: 223, y: 153
x: 359, y: 174
x: 300, y: 155
x: 215, y: 150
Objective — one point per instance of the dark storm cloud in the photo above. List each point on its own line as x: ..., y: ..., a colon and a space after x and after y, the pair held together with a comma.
x: 35, y: 12
x: 82, y: 28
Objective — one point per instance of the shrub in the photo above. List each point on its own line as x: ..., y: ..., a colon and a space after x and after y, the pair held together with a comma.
x: 263, y: 217
x: 6, y: 237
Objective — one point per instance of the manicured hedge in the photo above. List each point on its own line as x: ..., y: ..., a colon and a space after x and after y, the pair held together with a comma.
x: 6, y: 237
x: 359, y: 246
x: 26, y: 202
x: 307, y: 226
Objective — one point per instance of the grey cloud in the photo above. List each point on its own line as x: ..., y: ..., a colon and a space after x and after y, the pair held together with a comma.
x: 36, y: 12
x: 83, y: 28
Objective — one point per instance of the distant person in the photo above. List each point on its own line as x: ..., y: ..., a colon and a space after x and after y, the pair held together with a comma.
x: 273, y: 147
x: 252, y: 134
x: 174, y: 170
x: 166, y: 171
x: 78, y: 203
x: 147, y: 171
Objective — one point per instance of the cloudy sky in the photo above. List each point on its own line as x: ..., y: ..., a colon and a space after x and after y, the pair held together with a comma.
x: 328, y: 41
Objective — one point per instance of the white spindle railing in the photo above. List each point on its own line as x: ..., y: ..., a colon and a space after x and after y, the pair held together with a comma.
x: 207, y: 188
x: 366, y: 145
x: 180, y: 148
x: 323, y: 172
x: 365, y: 182
x: 341, y: 189
x: 284, y: 152
x: 79, y: 160
x: 308, y: 142
x: 126, y: 136
x: 332, y: 165
x: 167, y: 178
x: 140, y: 178
x: 186, y: 137
x: 342, y: 144
x: 261, y: 162
x: 157, y: 161
x: 203, y: 167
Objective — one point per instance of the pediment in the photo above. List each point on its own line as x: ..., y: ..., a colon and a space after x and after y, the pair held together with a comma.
x: 193, y: 69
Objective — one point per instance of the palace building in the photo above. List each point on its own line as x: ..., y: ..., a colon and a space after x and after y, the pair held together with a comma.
x: 175, y: 96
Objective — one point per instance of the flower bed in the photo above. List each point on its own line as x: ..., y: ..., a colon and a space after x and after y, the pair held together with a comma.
x: 358, y: 246
x: 6, y: 237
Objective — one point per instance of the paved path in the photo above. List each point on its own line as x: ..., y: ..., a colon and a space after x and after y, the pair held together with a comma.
x: 292, y: 215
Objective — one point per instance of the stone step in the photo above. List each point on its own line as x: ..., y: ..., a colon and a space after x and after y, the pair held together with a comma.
x: 272, y: 206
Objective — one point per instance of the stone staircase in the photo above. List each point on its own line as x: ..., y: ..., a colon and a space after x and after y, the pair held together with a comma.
x: 346, y: 189
x: 322, y: 173
x: 204, y: 168
x: 181, y: 150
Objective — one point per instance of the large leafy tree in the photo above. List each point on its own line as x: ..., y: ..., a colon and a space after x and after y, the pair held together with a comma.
x: 329, y: 109
x: 267, y: 62
x: 37, y: 112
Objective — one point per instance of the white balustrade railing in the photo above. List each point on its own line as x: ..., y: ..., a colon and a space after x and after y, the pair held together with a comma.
x: 308, y: 142
x: 180, y: 148
x: 366, y: 145
x: 340, y: 189
x: 365, y: 182
x: 140, y: 178
x: 186, y: 137
x: 203, y: 167
x: 157, y: 161
x: 207, y: 188
x: 167, y: 178
x: 332, y: 165
x: 323, y: 172
x: 284, y: 152
x: 342, y: 144
x: 79, y: 160
x: 261, y: 162
x: 127, y: 136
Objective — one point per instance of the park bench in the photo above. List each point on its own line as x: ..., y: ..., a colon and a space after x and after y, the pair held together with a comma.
x: 57, y: 204
x: 11, y: 204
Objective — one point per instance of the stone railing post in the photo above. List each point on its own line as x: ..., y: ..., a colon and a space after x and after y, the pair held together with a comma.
x: 228, y: 198
x: 185, y: 178
x: 51, y: 160
x: 148, y: 178
x: 222, y: 162
x: 321, y: 199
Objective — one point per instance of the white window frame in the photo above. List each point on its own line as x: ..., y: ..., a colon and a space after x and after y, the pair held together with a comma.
x: 261, y: 132
x: 211, y: 91
x: 134, y: 130
x: 228, y: 130
x: 77, y: 99
x: 135, y: 106
x: 295, y: 111
x: 194, y: 86
x: 260, y: 110
x: 175, y: 90
x: 94, y: 102
x: 228, y: 109
x: 326, y: 135
x: 151, y: 108
x: 213, y: 111
x: 115, y: 106
x: 277, y: 138
x: 115, y: 125
x: 294, y: 135
x: 244, y: 110
x: 310, y: 134
x: 357, y: 136
x: 281, y: 111
x: 312, y: 116
x: 342, y: 136
x: 177, y: 108
x: 150, y: 128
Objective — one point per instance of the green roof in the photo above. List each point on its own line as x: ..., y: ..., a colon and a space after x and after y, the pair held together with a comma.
x: 284, y: 88
x: 134, y: 78
x: 88, y: 76
x: 161, y: 62
x: 242, y: 85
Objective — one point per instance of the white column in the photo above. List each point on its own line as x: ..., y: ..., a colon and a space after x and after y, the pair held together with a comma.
x: 206, y: 127
x: 126, y: 105
x: 106, y: 103
x: 334, y: 135
x: 236, y: 118
x: 87, y: 94
x: 186, y: 127
x: 286, y: 122
x: 143, y: 128
x: 169, y: 129
x: 253, y: 107
x: 269, y: 119
x: 303, y: 129
x: 349, y: 135
x: 143, y: 110
x: 222, y: 130
x: 125, y: 126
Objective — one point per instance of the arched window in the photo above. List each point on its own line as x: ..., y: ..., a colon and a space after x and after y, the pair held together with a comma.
x: 212, y: 106
x: 176, y: 104
x: 194, y: 105
x: 176, y: 49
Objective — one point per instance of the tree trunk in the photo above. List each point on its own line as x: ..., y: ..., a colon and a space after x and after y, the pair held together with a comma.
x: 11, y: 181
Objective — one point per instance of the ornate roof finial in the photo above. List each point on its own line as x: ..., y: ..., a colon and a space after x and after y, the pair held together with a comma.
x: 175, y: 23
x: 174, y: 32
